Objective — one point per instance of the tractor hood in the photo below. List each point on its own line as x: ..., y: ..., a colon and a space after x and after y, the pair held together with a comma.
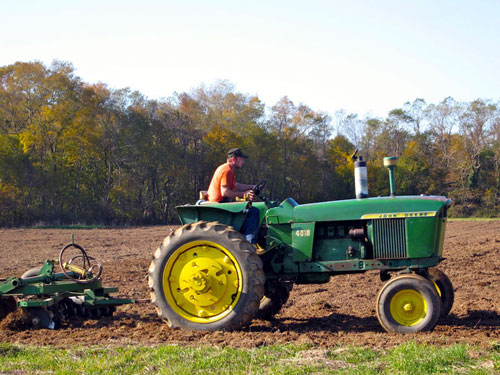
x: 370, y: 208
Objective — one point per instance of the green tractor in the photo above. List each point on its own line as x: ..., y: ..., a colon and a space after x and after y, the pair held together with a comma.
x: 206, y: 276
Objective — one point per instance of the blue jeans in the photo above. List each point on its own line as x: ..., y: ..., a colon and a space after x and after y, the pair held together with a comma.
x: 250, y: 227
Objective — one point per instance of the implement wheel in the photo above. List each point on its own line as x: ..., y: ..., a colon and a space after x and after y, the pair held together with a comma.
x: 32, y: 272
x: 206, y: 276
x: 408, y: 303
x: 444, y: 288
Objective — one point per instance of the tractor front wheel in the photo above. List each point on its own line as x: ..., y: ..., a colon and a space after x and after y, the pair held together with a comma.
x: 408, y: 303
x: 444, y: 288
x: 206, y: 276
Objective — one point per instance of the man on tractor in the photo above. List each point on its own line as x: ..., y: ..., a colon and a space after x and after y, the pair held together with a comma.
x: 224, y: 188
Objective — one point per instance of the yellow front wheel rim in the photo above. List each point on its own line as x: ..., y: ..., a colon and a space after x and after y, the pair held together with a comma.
x: 408, y: 307
x: 437, y: 288
x: 202, y: 281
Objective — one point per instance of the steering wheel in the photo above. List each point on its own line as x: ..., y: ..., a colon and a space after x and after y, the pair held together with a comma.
x: 257, y: 188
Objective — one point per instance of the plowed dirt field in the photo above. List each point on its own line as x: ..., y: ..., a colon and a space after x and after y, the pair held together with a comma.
x: 339, y: 312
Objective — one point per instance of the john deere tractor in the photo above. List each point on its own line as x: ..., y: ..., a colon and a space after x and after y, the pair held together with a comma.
x: 206, y: 276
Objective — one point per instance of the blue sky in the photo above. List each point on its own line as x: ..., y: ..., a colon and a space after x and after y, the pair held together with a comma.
x: 366, y: 57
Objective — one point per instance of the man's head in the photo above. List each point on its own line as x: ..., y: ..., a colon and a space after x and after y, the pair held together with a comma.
x: 236, y: 157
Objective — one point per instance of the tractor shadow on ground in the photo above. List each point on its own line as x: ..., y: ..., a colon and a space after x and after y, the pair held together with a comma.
x: 332, y: 323
x: 473, y: 319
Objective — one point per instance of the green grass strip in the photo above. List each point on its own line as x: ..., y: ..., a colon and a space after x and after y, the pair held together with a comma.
x: 409, y: 358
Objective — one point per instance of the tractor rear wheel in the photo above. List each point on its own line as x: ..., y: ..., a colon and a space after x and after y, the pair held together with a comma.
x: 408, y: 303
x: 444, y: 288
x: 206, y: 276
x: 275, y: 297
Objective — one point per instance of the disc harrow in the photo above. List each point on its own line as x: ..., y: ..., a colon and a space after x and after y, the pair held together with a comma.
x: 49, y: 298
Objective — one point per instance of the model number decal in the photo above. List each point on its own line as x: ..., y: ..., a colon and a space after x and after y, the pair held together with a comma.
x: 400, y: 215
x: 303, y: 232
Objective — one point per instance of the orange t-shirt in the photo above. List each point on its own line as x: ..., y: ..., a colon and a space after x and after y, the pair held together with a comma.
x: 223, y: 176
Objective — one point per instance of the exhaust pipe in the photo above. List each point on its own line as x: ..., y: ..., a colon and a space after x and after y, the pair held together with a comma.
x: 360, y: 176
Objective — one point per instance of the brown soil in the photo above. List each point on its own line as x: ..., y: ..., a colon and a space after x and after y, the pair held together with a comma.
x: 340, y: 312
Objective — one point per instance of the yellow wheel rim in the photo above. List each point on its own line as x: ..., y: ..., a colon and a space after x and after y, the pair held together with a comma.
x: 408, y: 307
x: 437, y: 288
x: 202, y: 281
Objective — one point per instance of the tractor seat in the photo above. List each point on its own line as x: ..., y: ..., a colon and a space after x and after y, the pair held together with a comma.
x: 203, y: 195
x: 202, y: 198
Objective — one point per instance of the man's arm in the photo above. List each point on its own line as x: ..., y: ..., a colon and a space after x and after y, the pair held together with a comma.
x: 243, y: 187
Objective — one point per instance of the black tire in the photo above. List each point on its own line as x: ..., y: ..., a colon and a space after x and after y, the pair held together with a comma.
x: 32, y: 272
x: 444, y: 289
x: 275, y: 297
x: 408, y: 303
x: 218, y: 289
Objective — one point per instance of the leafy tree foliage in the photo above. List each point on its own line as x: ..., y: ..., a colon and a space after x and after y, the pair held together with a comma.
x: 71, y: 152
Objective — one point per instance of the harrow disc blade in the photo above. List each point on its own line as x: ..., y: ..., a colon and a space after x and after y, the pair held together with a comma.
x: 40, y: 317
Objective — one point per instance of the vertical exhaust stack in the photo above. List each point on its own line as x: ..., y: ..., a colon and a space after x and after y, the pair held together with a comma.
x: 360, y: 176
x: 390, y: 163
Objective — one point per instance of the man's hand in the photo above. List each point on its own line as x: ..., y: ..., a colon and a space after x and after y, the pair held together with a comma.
x: 250, y: 195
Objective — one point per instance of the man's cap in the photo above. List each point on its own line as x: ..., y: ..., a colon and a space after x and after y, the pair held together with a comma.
x: 236, y: 152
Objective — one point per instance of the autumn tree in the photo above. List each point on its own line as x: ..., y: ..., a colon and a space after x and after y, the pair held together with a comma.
x: 75, y: 152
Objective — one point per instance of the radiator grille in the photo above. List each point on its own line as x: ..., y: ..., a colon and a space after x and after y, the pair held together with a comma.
x: 389, y: 239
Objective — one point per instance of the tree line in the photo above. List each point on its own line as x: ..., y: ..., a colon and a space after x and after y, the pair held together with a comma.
x: 73, y: 152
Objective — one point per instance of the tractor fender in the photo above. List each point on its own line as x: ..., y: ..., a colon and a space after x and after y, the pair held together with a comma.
x: 232, y: 213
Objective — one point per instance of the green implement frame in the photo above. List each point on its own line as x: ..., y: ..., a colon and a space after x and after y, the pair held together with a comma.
x: 59, y: 292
